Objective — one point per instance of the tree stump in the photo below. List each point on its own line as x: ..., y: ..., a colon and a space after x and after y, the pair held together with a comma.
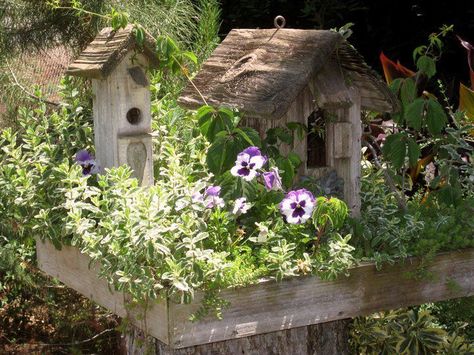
x: 320, y: 339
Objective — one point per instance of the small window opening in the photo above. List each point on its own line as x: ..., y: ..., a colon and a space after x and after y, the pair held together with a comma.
x: 134, y: 116
x: 316, y: 140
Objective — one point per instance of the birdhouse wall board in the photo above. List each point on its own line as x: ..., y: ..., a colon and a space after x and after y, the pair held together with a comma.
x: 136, y: 151
x: 121, y: 107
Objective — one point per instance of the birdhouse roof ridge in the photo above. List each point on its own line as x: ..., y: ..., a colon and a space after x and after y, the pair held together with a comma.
x: 108, y: 49
x: 262, y: 71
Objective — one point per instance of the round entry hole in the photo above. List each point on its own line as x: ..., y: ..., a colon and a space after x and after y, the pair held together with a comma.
x: 134, y: 116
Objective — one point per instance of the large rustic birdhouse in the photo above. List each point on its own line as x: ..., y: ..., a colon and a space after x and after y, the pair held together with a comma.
x: 117, y: 66
x: 314, y: 77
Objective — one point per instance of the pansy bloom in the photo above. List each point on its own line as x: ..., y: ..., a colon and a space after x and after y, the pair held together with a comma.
x: 248, y: 162
x: 241, y: 206
x: 272, y: 180
x: 297, y: 206
x: 87, y: 162
x: 210, y: 198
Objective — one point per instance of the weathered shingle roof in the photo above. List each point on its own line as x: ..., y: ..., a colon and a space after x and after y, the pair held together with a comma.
x: 101, y: 56
x: 261, y: 71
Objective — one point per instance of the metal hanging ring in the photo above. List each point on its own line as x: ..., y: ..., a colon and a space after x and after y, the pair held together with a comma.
x: 279, y: 22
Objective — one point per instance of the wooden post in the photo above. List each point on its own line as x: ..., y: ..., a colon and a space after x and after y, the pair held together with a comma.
x: 344, y: 134
x: 321, y: 339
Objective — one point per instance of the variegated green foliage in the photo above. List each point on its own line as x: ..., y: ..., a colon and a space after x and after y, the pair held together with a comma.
x: 408, y: 332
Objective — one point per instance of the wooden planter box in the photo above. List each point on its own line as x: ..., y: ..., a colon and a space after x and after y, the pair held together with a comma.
x: 271, y: 306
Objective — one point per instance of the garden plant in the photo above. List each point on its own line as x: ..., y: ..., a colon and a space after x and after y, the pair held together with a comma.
x: 227, y: 208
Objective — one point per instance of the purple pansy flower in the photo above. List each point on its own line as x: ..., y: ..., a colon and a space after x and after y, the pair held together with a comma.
x: 210, y: 198
x: 241, y: 206
x: 248, y: 162
x: 272, y: 180
x: 87, y: 162
x: 297, y: 206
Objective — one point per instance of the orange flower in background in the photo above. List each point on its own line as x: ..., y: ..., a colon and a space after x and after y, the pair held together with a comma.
x: 470, y: 58
x: 466, y: 94
x: 394, y: 70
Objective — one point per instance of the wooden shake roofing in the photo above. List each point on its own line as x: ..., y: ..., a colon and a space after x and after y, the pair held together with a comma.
x: 109, y: 47
x: 262, y: 71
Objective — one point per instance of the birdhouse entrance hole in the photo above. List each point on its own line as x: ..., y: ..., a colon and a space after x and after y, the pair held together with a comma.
x: 134, y: 116
x: 316, y: 140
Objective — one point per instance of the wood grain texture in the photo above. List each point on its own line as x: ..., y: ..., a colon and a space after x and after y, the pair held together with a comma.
x: 113, y: 98
x: 343, y: 140
x: 347, y: 167
x: 374, y: 92
x: 261, y: 72
x: 108, y: 49
x: 141, y: 164
x: 75, y: 270
x: 302, y: 301
x: 320, y: 339
x: 270, y: 306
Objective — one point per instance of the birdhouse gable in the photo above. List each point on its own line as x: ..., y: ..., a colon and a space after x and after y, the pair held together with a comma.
x: 108, y: 49
x: 262, y: 72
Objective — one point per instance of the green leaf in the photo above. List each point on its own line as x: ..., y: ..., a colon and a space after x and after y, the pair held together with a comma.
x: 330, y: 210
x: 211, y: 123
x: 436, y: 118
x: 418, y: 51
x: 191, y: 56
x: 299, y: 128
x: 284, y: 135
x: 223, y: 152
x: 139, y: 35
x: 427, y: 65
x: 204, y: 116
x: 395, y: 85
x: 407, y: 91
x: 414, y: 152
x: 253, y: 135
x: 287, y: 171
x: 394, y: 149
x: 295, y: 159
x: 244, y: 136
x: 414, y: 113
x: 216, y: 155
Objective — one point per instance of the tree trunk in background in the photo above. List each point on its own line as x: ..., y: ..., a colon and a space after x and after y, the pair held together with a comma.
x: 320, y: 339
x: 135, y: 343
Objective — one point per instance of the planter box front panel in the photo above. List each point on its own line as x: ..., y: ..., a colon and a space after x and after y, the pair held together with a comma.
x: 271, y: 306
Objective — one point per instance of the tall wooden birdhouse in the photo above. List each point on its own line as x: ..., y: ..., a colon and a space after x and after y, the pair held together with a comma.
x: 314, y: 77
x: 117, y: 66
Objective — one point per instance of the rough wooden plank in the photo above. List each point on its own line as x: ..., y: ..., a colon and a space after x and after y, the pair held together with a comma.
x: 262, y: 71
x: 369, y: 82
x: 347, y: 168
x: 297, y: 302
x: 108, y: 49
x: 343, y: 140
x: 329, y: 87
x: 270, y: 306
x: 319, y: 339
x: 113, y: 98
x: 71, y: 267
x: 137, y: 152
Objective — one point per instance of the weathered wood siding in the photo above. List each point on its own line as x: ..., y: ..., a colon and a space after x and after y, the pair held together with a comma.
x: 113, y: 98
x: 71, y: 267
x: 345, y: 156
x: 270, y: 306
